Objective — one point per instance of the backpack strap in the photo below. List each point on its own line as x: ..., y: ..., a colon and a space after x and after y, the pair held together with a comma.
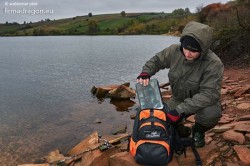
x: 181, y: 144
x: 196, y: 155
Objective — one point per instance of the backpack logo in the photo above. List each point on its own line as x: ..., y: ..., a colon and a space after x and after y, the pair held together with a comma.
x: 152, y: 134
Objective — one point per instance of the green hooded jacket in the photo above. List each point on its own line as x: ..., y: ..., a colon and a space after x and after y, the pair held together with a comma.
x: 195, y: 84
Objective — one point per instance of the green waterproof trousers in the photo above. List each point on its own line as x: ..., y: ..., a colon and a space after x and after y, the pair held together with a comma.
x: 207, y: 117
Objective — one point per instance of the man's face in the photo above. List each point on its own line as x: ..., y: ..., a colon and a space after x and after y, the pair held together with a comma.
x: 190, y: 55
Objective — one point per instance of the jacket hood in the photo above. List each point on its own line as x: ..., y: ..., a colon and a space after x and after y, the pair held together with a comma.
x: 201, y: 32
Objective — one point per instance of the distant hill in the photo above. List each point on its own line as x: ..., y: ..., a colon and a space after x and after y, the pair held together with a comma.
x: 106, y: 24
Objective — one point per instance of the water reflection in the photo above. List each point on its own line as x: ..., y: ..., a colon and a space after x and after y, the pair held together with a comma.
x: 122, y: 105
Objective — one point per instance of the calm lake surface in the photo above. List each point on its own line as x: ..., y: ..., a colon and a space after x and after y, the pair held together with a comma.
x: 45, y: 82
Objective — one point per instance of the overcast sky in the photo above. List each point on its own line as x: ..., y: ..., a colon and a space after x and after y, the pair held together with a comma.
x: 31, y: 10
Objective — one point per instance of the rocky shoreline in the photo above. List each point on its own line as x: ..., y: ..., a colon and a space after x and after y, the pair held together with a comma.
x: 227, y: 144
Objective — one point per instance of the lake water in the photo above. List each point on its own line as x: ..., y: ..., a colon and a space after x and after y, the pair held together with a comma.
x: 45, y: 82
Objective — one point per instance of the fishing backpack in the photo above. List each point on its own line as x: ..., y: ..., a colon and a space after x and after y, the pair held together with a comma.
x: 154, y: 140
x: 150, y: 142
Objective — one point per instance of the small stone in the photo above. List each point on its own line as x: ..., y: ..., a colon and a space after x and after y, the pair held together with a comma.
x: 221, y: 129
x: 231, y: 164
x: 119, y: 129
x: 233, y: 124
x: 211, y: 158
x: 243, y: 153
x: 243, y: 106
x: 208, y: 140
x: 98, y: 121
x: 247, y: 136
x: 122, y: 158
x: 225, y: 115
x: 244, y: 118
x: 221, y: 144
x: 246, y: 95
x: 241, y: 91
x: 240, y: 98
x: 229, y: 153
x: 224, y: 148
x: 225, y: 119
x: 210, y: 134
x: 223, y: 91
x: 245, y: 127
x: 234, y: 83
x: 232, y: 91
x: 231, y: 135
x: 34, y: 164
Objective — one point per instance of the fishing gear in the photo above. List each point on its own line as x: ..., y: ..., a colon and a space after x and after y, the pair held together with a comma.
x: 102, y: 147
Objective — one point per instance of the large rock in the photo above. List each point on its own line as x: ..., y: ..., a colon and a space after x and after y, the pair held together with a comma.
x: 174, y: 162
x: 243, y: 154
x: 122, y: 92
x: 54, y: 156
x: 109, y: 87
x: 87, y: 143
x: 96, y: 157
x: 102, y: 91
x: 207, y: 154
x: 123, y: 159
x: 34, y: 164
x: 232, y: 135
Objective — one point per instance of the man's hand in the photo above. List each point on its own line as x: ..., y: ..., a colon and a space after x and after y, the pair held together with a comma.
x: 174, y: 117
x: 143, y: 78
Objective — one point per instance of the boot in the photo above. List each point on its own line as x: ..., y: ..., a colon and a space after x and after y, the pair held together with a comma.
x: 198, y: 132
